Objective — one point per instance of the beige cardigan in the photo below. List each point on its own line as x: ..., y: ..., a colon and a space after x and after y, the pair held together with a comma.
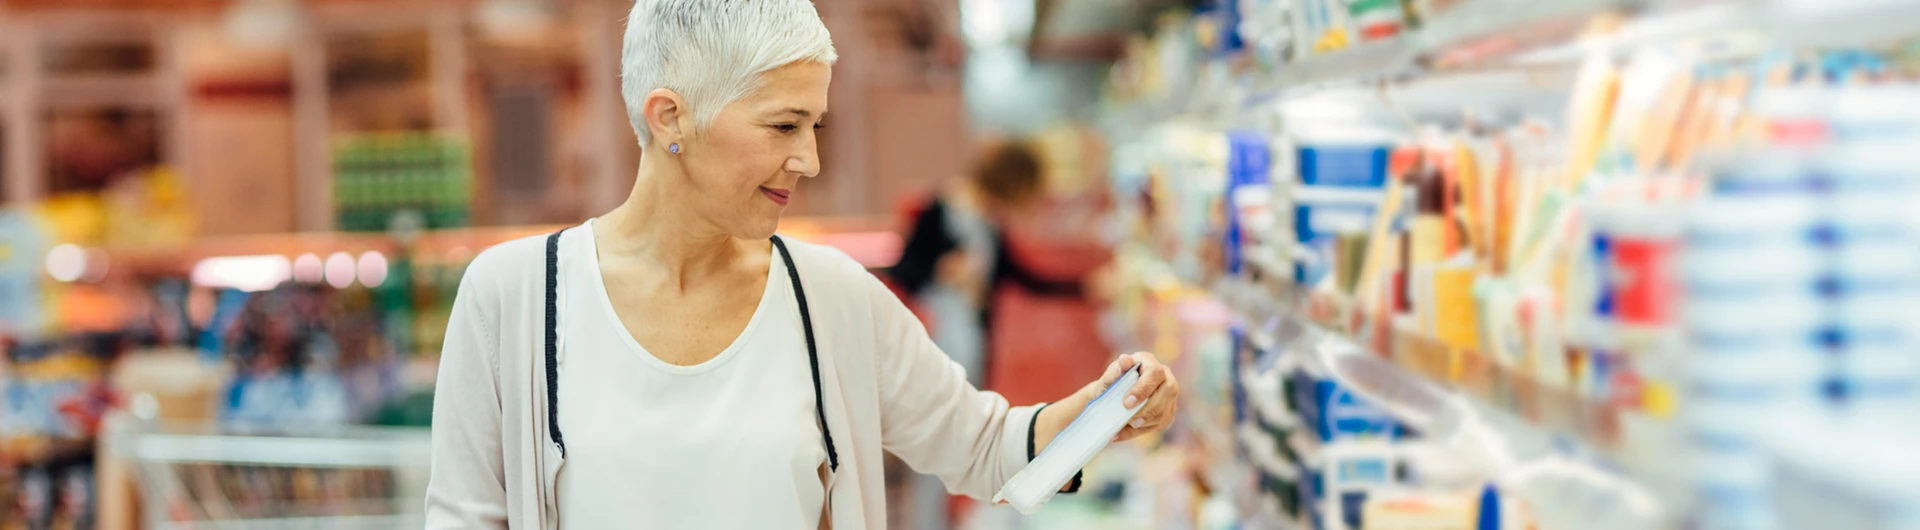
x: 885, y: 384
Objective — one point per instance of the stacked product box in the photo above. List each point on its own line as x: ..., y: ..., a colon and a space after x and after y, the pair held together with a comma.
x: 1355, y: 444
x: 1339, y: 185
x: 1320, y: 448
x: 1874, y: 248
x: 1802, y: 275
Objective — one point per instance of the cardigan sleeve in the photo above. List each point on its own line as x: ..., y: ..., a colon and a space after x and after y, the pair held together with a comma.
x: 466, y: 485
x: 932, y: 418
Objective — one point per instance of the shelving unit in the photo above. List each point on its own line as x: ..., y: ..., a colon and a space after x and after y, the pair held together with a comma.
x: 1632, y: 447
x: 1436, y: 392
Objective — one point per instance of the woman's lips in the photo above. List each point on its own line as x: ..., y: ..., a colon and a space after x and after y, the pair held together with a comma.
x: 779, y: 197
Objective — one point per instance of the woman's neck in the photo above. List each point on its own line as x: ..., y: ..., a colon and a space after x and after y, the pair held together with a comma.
x: 655, y: 232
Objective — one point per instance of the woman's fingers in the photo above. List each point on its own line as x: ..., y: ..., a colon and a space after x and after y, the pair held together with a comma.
x: 1160, y: 407
x: 1152, y: 374
x: 1114, y: 370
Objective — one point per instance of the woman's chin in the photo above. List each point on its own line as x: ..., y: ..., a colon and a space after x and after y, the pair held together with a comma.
x: 757, y: 227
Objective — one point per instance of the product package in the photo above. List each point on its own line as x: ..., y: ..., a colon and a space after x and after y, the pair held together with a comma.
x: 1070, y: 450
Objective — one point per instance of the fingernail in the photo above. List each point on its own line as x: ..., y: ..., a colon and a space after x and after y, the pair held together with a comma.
x: 1131, y: 400
x: 1137, y: 422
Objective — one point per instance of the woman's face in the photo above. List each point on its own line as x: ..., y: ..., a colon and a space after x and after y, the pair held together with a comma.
x: 749, y: 162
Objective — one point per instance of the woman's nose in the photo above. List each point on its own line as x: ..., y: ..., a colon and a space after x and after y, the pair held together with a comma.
x: 806, y: 164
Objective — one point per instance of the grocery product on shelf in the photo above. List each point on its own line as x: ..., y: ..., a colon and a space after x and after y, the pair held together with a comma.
x: 377, y: 176
x: 55, y: 394
x: 21, y: 247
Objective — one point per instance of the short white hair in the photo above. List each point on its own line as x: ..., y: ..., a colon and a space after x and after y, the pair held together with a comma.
x: 712, y: 52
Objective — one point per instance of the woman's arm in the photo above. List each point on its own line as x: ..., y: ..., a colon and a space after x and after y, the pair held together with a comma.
x: 973, y: 440
x: 466, y: 487
x: 931, y: 417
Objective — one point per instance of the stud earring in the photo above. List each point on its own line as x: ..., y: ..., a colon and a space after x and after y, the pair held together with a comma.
x: 673, y: 148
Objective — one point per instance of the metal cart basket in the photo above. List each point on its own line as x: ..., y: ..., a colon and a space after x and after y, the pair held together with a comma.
x: 198, y: 476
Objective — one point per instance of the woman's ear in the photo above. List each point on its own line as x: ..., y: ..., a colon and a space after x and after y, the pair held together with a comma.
x: 665, y: 110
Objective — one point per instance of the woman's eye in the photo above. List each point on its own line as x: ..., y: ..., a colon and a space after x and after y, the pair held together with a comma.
x: 787, y: 127
x: 818, y: 126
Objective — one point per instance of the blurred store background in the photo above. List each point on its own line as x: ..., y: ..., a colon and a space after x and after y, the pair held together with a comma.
x: 1421, y: 264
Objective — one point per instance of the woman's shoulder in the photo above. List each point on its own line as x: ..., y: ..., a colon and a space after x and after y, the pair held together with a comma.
x: 825, y: 261
x: 506, y: 269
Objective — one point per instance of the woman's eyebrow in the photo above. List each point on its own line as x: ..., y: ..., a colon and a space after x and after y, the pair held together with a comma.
x: 803, y: 113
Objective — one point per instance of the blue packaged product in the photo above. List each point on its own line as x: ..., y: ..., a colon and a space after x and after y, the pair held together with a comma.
x: 1249, y: 185
x: 1353, y: 166
x: 1250, y: 158
x: 1336, y: 413
x: 1352, y: 505
x: 1227, y: 17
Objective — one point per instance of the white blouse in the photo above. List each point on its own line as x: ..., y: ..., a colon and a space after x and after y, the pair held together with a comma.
x: 728, y: 443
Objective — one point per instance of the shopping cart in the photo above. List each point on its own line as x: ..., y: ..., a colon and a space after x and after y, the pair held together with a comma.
x: 197, y: 476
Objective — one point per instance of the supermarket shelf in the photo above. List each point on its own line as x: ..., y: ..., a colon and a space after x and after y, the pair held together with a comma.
x: 1501, y: 18
x: 869, y: 240
x: 1841, y: 22
x: 180, y: 258
x: 1366, y: 61
x: 1836, y: 473
x: 1511, y: 423
x: 1528, y: 33
x: 1449, y: 34
x: 1729, y: 28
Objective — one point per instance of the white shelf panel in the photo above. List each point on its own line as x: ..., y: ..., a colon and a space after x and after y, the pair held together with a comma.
x: 1486, y: 18
x: 1711, y: 27
x: 1402, y: 55
x: 1363, y: 62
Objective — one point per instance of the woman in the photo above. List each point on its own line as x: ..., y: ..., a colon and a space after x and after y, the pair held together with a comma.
x: 674, y: 364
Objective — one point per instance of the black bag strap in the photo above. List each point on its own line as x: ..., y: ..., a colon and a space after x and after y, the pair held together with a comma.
x: 813, y: 353
x: 553, y: 347
x: 553, y: 340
